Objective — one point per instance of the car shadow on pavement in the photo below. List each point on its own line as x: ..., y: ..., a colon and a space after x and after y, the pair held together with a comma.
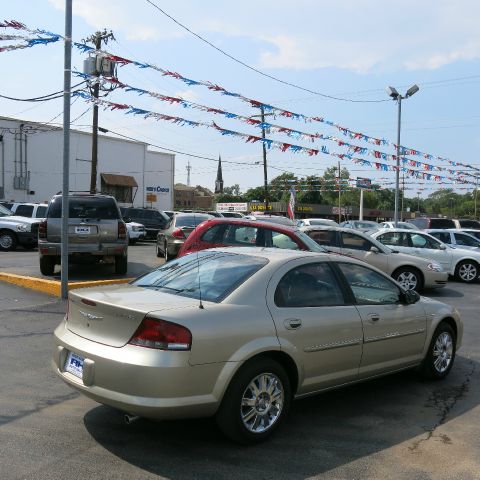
x: 321, y: 433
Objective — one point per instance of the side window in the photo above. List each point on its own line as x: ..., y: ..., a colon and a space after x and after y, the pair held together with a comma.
x: 422, y: 241
x: 465, y: 240
x: 41, y: 212
x: 214, y: 234
x: 281, y: 240
x: 442, y: 236
x: 240, y: 235
x: 312, y: 285
x: 355, y: 242
x: 369, y: 287
x: 324, y: 237
x: 393, y: 239
x: 24, y: 210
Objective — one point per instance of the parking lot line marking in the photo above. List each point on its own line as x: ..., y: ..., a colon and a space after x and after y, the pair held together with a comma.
x: 53, y: 287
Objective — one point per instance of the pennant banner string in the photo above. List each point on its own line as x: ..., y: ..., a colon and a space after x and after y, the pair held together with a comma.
x: 217, y: 88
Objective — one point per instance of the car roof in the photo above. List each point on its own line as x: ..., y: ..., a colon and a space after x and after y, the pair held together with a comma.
x: 250, y: 223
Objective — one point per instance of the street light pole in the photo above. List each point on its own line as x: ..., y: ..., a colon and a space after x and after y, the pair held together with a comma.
x: 396, y: 96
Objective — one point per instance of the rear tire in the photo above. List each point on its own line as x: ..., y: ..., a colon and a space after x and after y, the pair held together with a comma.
x: 441, y: 353
x: 8, y: 240
x: 256, y: 402
x: 168, y: 256
x: 466, y: 271
x: 410, y: 278
x: 47, y: 265
x: 121, y: 264
x: 159, y: 252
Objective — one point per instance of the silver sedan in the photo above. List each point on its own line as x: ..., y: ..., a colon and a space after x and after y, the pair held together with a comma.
x: 238, y: 333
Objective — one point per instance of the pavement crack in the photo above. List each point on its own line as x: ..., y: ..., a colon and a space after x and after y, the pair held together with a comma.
x: 444, y: 401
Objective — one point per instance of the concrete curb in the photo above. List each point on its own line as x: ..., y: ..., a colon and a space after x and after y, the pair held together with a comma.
x: 53, y: 287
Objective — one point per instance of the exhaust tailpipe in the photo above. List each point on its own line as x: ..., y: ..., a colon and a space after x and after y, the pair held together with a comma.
x: 129, y: 419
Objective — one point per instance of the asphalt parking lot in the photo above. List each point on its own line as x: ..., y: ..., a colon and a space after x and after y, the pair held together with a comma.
x: 141, y: 259
x: 397, y: 427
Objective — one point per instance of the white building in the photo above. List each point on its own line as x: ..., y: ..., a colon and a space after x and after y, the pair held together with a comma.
x: 31, y: 159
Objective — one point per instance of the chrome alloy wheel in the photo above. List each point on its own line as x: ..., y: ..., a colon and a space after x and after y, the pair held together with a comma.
x: 262, y: 403
x: 442, y: 352
x: 6, y: 241
x: 408, y: 280
x: 467, y: 272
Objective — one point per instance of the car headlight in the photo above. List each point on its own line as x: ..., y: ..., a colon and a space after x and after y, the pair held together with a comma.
x: 135, y: 229
x: 23, y: 228
x: 434, y: 267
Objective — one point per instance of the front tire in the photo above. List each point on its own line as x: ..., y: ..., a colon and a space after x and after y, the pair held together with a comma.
x: 409, y: 278
x: 8, y: 240
x: 47, y: 265
x: 256, y: 402
x: 441, y: 353
x: 467, y: 271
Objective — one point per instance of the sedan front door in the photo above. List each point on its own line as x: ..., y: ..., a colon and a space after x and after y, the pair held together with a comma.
x: 394, y: 331
x: 315, y: 324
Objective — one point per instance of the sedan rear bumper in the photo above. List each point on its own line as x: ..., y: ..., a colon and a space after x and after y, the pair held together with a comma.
x: 141, y: 381
x: 436, y: 280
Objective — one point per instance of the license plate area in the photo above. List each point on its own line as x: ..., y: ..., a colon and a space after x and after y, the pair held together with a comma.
x: 83, y: 230
x: 74, y: 364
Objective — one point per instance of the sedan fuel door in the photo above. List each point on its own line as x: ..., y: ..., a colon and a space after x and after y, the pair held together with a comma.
x: 315, y: 323
x: 394, y: 330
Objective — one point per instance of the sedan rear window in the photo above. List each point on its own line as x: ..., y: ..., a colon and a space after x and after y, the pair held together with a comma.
x: 190, y: 220
x: 207, y: 275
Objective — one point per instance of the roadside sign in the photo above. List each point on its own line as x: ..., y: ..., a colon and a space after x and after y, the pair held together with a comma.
x: 232, y: 207
x: 151, y: 197
x: 364, y: 183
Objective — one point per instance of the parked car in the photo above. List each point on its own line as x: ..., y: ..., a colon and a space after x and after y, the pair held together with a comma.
x: 422, y: 223
x: 362, y: 225
x: 172, y: 237
x: 135, y: 231
x: 96, y: 232
x: 463, y: 264
x: 152, y: 219
x: 15, y: 230
x: 273, y: 325
x: 234, y: 232
x: 30, y: 210
x: 409, y: 271
x: 455, y: 238
x: 409, y: 226
x: 306, y: 222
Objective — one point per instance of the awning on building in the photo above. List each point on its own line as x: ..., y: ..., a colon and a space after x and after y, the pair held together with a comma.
x: 118, y: 180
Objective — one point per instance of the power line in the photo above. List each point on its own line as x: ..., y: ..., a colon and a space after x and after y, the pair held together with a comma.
x: 104, y: 130
x: 256, y: 70
x: 43, y: 98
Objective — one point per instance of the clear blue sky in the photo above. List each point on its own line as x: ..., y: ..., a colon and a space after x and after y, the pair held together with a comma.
x: 349, y: 48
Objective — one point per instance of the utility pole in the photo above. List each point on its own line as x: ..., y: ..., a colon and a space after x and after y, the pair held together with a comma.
x: 339, y: 196
x: 97, y: 40
x: 264, y: 148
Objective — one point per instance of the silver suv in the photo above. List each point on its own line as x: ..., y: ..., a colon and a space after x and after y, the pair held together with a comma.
x: 95, y: 230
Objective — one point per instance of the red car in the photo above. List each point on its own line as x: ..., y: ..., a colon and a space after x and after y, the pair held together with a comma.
x: 225, y: 232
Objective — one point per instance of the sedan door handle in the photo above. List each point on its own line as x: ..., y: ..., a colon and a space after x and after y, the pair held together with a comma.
x: 374, y: 317
x: 292, y: 323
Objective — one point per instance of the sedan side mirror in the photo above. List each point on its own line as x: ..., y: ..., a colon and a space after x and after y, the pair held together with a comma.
x: 411, y: 296
x: 127, y: 219
x: 374, y: 249
x: 443, y: 247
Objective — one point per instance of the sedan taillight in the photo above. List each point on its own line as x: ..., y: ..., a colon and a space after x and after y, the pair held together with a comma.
x: 42, y: 229
x: 162, y: 335
x: 122, y: 230
x: 178, y: 233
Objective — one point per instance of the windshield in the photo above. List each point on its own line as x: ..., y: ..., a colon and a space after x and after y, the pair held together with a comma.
x: 312, y: 245
x: 4, y: 212
x: 214, y: 274
x: 366, y: 224
x: 190, y: 220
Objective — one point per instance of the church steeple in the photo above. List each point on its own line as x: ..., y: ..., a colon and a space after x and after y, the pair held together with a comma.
x: 219, y: 180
